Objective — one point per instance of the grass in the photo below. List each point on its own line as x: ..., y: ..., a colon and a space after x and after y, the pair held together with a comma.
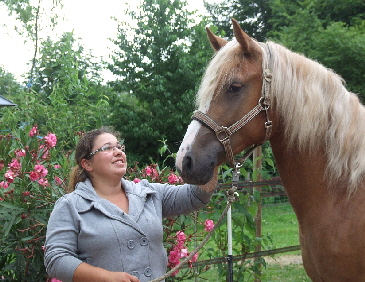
x: 280, y: 223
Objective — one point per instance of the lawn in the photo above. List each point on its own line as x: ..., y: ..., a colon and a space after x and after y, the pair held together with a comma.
x: 280, y: 222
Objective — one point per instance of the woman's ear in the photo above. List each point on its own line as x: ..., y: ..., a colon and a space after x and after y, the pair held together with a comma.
x: 86, y: 164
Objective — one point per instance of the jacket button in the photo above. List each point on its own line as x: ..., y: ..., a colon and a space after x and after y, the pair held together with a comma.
x: 144, y: 241
x: 130, y: 244
x: 135, y: 273
x: 148, y: 271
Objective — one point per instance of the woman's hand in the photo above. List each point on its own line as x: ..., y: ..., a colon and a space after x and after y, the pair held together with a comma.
x: 210, y: 186
x: 122, y: 277
x: 87, y: 272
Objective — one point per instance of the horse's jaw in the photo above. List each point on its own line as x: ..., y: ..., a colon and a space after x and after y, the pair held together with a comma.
x: 198, y: 155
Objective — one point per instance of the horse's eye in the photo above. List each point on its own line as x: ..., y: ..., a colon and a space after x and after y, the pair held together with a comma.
x: 235, y: 87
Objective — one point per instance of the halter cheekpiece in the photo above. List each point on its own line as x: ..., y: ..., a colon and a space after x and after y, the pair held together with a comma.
x: 224, y: 133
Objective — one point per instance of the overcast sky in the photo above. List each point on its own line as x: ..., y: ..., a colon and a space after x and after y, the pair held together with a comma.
x: 89, y: 19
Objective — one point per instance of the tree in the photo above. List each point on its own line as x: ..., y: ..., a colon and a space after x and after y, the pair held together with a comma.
x: 253, y: 16
x: 160, y: 62
x: 29, y: 17
x: 333, y: 38
x: 66, y: 96
x: 8, y: 83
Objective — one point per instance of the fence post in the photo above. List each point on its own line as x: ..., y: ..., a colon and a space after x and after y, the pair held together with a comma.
x: 257, y: 166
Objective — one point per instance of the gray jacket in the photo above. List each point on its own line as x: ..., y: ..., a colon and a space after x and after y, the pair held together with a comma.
x: 86, y: 228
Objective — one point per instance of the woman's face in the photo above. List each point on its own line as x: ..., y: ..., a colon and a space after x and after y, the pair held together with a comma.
x: 109, y: 159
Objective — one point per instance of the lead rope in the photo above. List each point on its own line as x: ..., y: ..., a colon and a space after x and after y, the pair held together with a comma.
x: 231, y: 197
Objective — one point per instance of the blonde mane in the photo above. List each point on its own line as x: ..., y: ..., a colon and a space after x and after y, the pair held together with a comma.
x: 318, y: 112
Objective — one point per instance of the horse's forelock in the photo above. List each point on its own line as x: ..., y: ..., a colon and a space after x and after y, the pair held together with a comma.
x: 218, y: 72
x: 317, y: 111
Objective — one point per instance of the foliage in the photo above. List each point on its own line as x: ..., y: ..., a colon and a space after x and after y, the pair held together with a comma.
x: 65, y: 97
x: 253, y: 16
x: 335, y: 37
x: 329, y: 31
x: 32, y: 174
x: 160, y: 59
x: 64, y: 64
x: 8, y: 84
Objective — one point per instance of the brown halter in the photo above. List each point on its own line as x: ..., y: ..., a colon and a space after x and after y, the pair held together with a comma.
x: 224, y: 133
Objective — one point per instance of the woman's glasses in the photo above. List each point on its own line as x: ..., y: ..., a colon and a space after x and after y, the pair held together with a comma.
x: 109, y: 148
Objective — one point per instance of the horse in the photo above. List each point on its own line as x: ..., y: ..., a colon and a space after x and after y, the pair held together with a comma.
x: 253, y: 92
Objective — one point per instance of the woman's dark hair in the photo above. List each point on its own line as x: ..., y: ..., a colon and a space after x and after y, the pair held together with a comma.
x: 83, y: 149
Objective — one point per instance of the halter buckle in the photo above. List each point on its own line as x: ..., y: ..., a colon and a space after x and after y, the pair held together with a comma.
x: 224, y: 130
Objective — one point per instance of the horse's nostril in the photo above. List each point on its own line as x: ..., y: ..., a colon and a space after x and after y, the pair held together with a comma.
x: 187, y: 164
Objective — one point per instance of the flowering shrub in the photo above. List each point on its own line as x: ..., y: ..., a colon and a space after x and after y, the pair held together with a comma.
x: 176, y: 241
x: 32, y: 174
x: 32, y: 177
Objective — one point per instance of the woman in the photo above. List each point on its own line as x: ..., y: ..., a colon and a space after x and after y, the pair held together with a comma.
x: 108, y: 228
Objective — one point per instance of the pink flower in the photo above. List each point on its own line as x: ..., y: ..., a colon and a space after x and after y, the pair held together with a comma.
x: 180, y: 236
x: 20, y: 153
x: 10, y: 175
x: 55, y: 280
x: 4, y: 185
x: 15, y: 164
x: 33, y: 131
x: 43, y: 182
x: 193, y: 259
x: 1, y: 199
x: 33, y: 175
x: 173, y: 178
x: 45, y: 154
x: 51, y: 139
x: 152, y: 172
x: 57, y: 166
x: 208, y: 225
x: 58, y: 180
x: 41, y: 170
x: 174, y: 257
x: 136, y: 180
x: 149, y: 170
x: 183, y: 253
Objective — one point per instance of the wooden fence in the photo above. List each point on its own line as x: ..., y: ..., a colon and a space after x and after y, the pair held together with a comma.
x: 272, y: 193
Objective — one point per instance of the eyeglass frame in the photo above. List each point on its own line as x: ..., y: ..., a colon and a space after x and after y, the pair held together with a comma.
x: 107, y: 147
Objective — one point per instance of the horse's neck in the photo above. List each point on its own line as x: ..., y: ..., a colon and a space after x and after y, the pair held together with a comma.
x: 302, y: 175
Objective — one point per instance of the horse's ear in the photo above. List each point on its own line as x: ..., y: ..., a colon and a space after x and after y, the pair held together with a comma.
x: 216, y: 42
x: 242, y: 38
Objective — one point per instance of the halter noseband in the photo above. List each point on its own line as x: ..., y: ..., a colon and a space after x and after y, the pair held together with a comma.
x: 224, y: 133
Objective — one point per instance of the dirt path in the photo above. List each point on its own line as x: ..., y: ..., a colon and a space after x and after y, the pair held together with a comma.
x: 284, y: 260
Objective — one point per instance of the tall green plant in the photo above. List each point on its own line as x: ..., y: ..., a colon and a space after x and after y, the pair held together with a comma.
x: 32, y: 177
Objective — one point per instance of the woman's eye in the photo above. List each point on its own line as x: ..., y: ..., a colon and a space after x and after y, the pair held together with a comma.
x: 107, y: 148
x: 235, y: 87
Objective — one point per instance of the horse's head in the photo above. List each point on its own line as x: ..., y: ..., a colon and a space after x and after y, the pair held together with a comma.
x: 231, y: 91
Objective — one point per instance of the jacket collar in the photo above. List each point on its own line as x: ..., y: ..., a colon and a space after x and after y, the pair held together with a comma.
x: 137, y: 194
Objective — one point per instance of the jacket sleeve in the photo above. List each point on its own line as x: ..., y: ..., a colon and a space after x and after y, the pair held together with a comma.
x: 61, y: 258
x: 182, y: 199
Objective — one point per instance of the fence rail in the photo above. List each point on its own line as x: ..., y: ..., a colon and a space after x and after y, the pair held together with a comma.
x: 244, y: 256
x: 269, y: 189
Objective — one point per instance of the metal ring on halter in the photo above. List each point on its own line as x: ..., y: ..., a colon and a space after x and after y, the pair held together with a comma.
x: 224, y: 130
x: 264, y: 104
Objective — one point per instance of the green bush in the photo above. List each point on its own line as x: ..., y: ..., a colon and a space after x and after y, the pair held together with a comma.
x: 32, y: 176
